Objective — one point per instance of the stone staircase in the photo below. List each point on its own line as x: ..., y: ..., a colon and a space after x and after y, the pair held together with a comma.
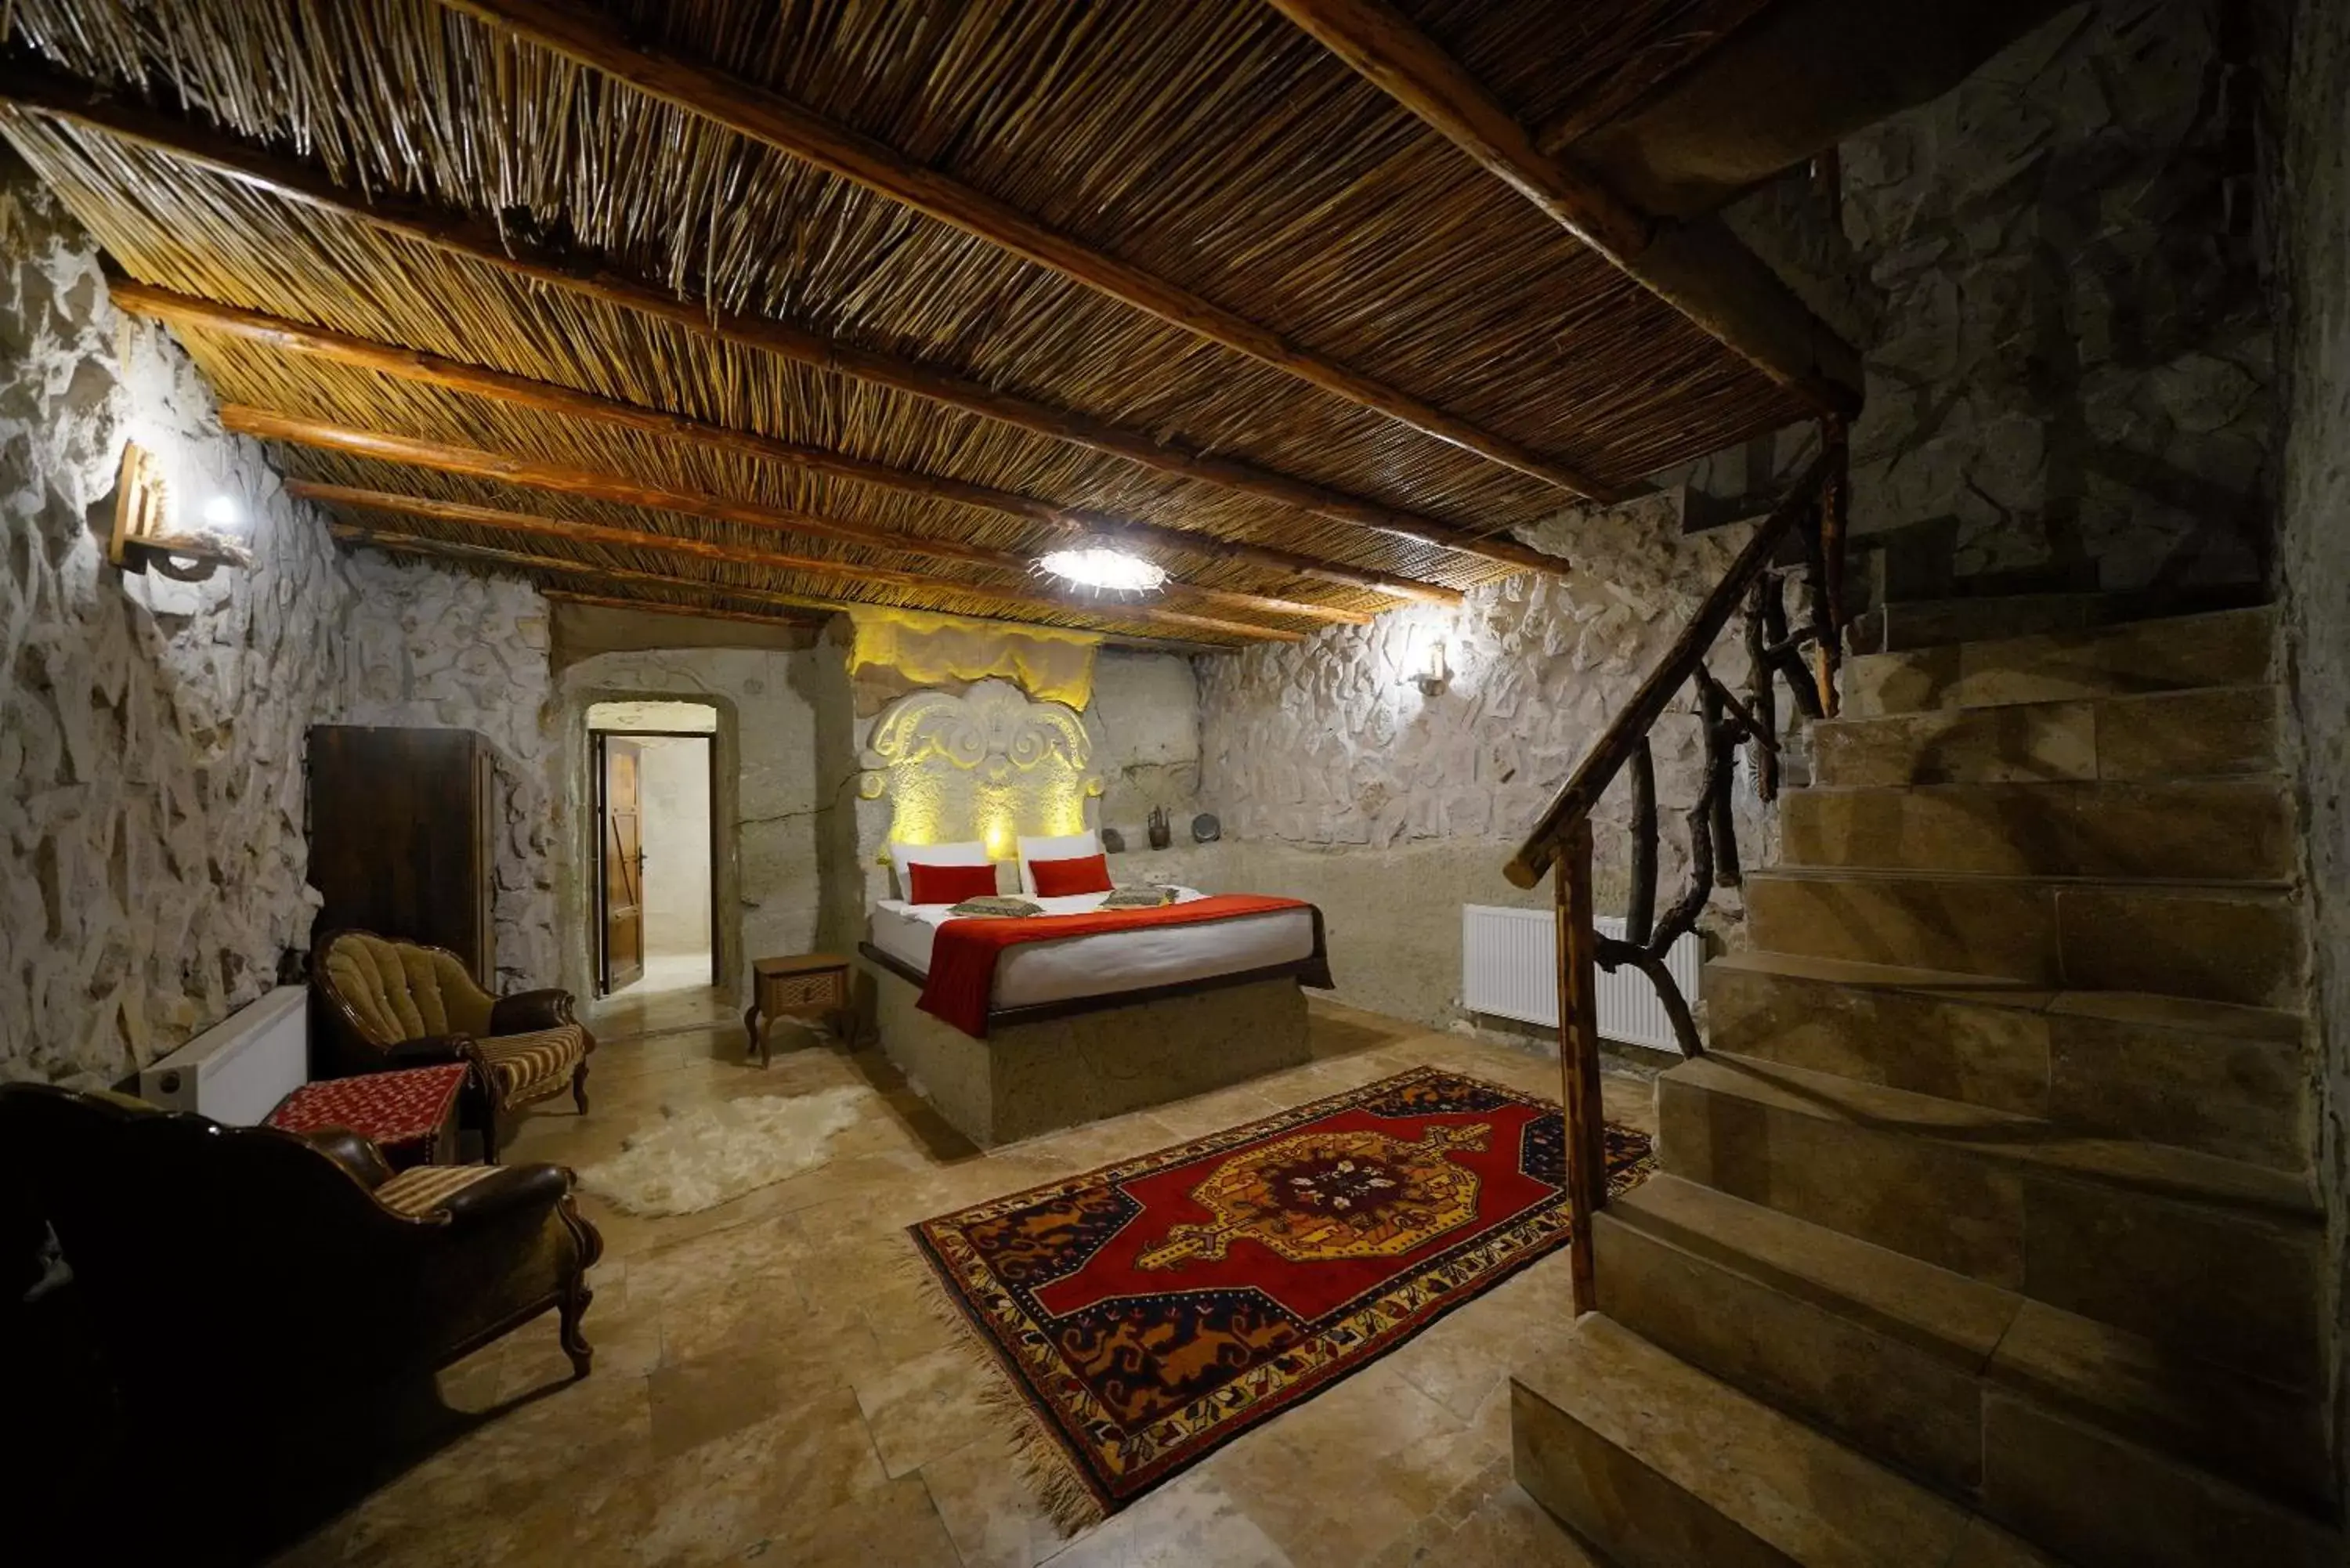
x: 1989, y: 1219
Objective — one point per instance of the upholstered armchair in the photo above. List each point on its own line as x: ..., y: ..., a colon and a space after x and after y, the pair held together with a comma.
x: 388, y: 1004
x: 285, y: 1267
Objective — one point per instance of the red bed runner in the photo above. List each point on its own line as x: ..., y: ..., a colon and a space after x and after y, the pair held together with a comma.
x: 962, y: 958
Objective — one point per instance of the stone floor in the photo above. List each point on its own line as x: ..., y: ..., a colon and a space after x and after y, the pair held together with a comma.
x: 768, y: 1383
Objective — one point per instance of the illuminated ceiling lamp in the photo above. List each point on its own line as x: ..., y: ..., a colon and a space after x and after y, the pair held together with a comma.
x: 1100, y: 566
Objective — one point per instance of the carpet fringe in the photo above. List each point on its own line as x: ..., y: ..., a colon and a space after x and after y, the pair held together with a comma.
x: 1045, y: 1468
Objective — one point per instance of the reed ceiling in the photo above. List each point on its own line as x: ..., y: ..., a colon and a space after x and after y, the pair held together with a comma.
x: 1207, y: 143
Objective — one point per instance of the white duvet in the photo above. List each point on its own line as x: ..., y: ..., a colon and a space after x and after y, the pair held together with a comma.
x: 1107, y: 961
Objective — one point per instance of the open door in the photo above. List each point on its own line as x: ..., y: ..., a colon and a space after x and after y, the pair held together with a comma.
x: 620, y: 882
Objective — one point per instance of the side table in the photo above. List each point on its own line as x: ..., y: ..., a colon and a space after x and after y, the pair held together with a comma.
x: 410, y: 1115
x: 807, y: 985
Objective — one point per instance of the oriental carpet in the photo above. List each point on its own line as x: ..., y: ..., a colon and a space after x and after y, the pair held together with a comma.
x: 1151, y: 1311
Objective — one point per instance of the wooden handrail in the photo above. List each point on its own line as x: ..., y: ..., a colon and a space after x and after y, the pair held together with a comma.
x: 1633, y: 722
x: 1560, y: 845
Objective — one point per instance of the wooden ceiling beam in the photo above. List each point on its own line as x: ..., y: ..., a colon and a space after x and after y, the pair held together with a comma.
x: 516, y: 560
x: 535, y: 525
x: 781, y: 619
x: 1700, y: 267
x: 579, y: 34
x: 548, y: 397
x: 478, y: 239
x: 592, y: 485
x: 786, y: 618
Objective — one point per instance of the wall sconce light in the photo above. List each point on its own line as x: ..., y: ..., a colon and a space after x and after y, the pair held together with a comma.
x: 143, y: 536
x: 1434, y: 676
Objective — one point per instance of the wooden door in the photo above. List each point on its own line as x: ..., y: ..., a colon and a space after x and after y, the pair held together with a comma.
x: 620, y: 888
x: 401, y: 827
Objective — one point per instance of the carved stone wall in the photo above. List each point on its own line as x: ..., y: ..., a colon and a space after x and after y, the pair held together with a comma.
x: 151, y: 733
x: 779, y: 791
x: 433, y: 648
x: 1345, y: 784
x: 2054, y: 273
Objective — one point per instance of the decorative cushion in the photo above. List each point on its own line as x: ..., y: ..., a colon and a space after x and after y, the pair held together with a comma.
x: 528, y: 1067
x: 950, y: 884
x: 1067, y: 879
x: 1066, y: 847
x: 406, y: 1106
x: 1007, y: 908
x: 418, y: 1191
x: 1139, y: 898
x: 970, y: 852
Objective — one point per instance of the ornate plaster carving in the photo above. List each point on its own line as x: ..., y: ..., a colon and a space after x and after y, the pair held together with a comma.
x: 991, y: 729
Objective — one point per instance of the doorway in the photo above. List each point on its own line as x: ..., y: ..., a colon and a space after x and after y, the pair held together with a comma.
x: 656, y: 872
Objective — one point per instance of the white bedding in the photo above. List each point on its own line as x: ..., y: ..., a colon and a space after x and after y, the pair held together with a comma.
x: 1106, y: 961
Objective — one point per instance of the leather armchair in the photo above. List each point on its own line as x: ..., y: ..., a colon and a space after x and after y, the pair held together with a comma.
x: 385, y: 1004
x: 286, y: 1265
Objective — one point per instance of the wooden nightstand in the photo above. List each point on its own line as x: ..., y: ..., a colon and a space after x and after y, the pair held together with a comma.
x: 809, y: 985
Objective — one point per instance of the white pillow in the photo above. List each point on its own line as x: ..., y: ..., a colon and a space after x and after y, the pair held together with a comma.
x: 1067, y: 846
x: 970, y: 852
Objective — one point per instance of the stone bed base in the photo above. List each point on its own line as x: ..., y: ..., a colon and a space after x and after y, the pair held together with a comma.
x: 1027, y: 1078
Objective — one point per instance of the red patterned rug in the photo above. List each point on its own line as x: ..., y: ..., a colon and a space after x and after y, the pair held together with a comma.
x: 1152, y: 1311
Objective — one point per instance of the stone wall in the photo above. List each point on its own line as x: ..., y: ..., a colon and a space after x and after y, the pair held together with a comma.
x: 1145, y: 723
x: 2313, y: 569
x: 1343, y: 781
x: 779, y: 786
x: 431, y: 648
x: 151, y: 733
x: 2055, y: 275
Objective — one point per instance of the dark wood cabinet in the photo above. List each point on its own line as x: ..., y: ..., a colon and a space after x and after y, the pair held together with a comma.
x: 402, y: 825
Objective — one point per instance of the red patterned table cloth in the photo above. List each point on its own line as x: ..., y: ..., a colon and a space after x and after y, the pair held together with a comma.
x: 390, y: 1110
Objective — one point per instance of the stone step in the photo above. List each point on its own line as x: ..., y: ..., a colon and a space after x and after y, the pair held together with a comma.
x: 2229, y: 648
x: 2221, y: 942
x: 1907, y: 623
x: 2210, y: 1256
x: 1898, y: 1357
x: 2207, y: 1075
x: 1662, y: 1465
x: 2223, y: 830
x: 2212, y: 732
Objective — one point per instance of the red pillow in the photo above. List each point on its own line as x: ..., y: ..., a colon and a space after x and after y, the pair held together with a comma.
x: 1065, y: 878
x: 951, y: 884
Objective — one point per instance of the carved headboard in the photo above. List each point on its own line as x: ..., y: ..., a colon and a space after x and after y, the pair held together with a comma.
x: 986, y: 763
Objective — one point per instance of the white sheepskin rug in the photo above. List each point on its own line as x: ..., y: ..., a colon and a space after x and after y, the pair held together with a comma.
x: 712, y: 1153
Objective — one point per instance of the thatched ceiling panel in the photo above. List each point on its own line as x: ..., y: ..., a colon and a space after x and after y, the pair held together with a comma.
x: 206, y: 234
x: 1203, y: 138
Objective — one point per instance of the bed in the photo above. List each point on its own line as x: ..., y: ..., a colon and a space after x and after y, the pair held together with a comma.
x: 1079, y: 1027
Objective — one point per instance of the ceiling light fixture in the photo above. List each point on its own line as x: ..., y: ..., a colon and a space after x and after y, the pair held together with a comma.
x: 1100, y: 566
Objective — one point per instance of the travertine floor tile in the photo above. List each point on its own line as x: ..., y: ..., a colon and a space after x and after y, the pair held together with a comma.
x: 771, y: 1386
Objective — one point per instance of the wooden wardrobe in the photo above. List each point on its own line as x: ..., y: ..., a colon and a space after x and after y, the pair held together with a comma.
x: 402, y: 825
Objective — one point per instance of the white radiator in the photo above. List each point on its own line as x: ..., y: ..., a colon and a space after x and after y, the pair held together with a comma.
x: 237, y: 1070
x: 1510, y: 970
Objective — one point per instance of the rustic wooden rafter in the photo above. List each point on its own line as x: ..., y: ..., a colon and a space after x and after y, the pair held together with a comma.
x: 778, y: 619
x: 572, y: 529
x: 785, y: 617
x: 548, y: 397
x: 523, y: 560
x: 1697, y: 267
x: 568, y: 528
x: 480, y: 239
x: 599, y: 485
x: 580, y: 36
x: 600, y: 534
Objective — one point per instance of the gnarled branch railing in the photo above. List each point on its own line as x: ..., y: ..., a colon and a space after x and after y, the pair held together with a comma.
x: 1561, y: 843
